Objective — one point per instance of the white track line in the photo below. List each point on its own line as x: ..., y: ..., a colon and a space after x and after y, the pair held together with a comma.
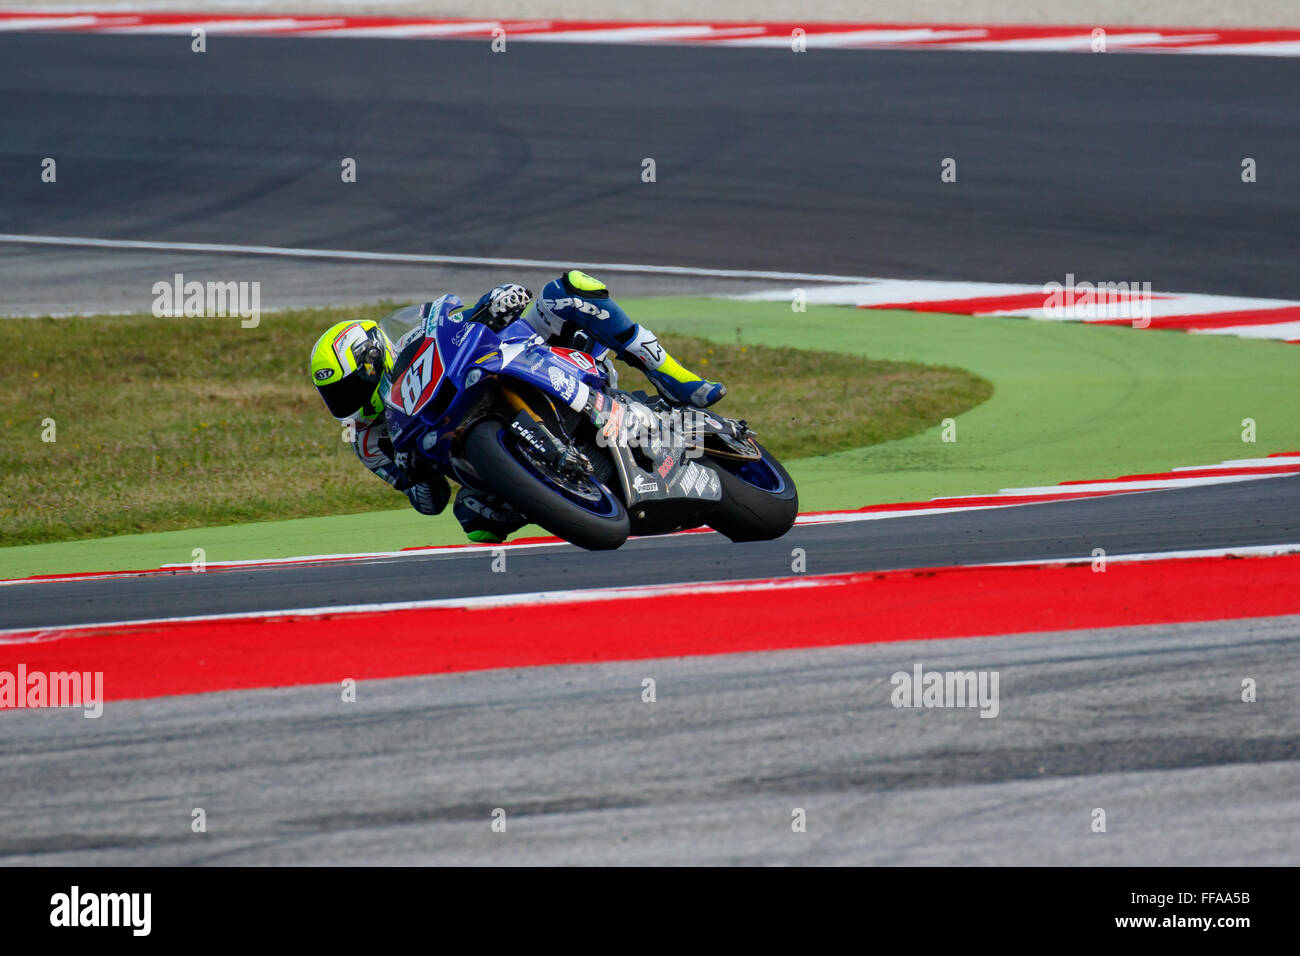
x: 46, y: 23
x: 1081, y: 41
x: 1245, y: 551
x: 1275, y: 330
x: 637, y: 34
x: 1279, y: 461
x: 1263, y: 48
x: 404, y: 32
x: 574, y: 595
x: 86, y: 242
x: 839, y: 517
x: 212, y: 26
x: 1153, y: 485
x: 852, y: 38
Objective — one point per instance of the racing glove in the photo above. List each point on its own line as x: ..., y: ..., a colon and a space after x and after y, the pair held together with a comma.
x: 426, y: 488
x: 500, y: 306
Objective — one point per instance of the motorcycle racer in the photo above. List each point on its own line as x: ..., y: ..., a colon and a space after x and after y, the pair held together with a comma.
x: 349, y: 360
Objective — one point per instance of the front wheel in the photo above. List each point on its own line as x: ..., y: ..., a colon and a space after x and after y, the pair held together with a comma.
x: 584, y: 511
x: 759, y: 499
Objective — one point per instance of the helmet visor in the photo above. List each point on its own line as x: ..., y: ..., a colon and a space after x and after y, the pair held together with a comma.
x: 349, y: 396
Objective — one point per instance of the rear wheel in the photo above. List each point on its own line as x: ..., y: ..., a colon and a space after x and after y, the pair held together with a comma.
x: 759, y: 499
x: 581, y: 510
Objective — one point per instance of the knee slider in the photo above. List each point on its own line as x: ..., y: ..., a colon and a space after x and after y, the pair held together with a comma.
x: 578, y: 283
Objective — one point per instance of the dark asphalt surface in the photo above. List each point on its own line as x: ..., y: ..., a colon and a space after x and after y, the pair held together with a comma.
x: 1245, y: 513
x: 1112, y: 167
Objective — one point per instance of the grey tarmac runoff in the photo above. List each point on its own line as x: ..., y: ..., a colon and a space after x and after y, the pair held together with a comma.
x: 1145, y: 723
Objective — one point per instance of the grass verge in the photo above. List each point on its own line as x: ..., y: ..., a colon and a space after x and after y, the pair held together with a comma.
x: 1069, y: 402
x: 163, y: 424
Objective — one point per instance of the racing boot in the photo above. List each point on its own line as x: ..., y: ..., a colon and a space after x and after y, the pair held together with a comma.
x: 486, y: 519
x: 583, y: 301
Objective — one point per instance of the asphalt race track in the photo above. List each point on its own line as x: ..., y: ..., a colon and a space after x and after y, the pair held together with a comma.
x: 1108, y: 166
x: 1142, y: 722
x: 1215, y: 516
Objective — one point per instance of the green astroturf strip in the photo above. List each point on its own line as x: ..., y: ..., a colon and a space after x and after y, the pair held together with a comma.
x: 1069, y: 402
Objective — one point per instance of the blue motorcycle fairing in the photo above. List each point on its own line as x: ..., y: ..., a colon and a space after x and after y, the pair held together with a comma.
x: 442, y: 373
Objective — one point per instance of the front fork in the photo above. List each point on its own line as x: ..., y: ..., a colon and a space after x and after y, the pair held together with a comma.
x: 529, y: 427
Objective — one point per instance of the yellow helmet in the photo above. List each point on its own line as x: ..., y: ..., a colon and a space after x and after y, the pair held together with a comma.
x: 347, y: 363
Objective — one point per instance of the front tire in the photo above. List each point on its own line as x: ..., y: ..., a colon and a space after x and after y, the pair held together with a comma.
x: 759, y: 499
x: 533, y: 497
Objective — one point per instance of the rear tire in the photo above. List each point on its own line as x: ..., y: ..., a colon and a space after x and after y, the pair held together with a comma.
x: 506, y: 476
x: 749, y: 513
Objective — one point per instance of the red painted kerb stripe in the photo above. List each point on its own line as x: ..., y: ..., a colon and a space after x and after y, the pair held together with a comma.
x: 1216, y: 320
x: 195, y: 657
x: 979, y: 305
x: 969, y: 305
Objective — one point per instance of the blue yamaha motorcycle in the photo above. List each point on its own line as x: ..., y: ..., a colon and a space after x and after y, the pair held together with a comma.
x: 546, y: 428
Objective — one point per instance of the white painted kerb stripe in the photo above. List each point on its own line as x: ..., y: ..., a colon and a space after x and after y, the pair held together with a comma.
x: 46, y: 23
x: 1246, y: 551
x: 1153, y: 485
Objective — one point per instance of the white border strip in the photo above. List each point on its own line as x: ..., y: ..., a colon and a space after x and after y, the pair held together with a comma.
x: 1243, y: 551
x: 1279, y: 461
x: 87, y: 242
x: 28, y: 635
x: 1155, y: 484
